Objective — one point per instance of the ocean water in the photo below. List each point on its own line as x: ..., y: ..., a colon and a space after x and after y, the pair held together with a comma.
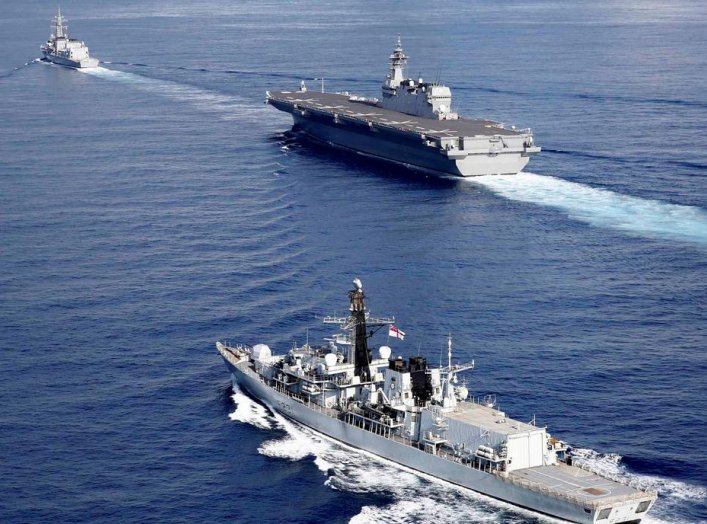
x: 156, y: 205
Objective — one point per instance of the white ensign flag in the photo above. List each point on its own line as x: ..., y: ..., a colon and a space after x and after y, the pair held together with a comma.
x: 395, y: 332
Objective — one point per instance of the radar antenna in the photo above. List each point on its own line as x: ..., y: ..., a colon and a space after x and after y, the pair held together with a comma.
x: 362, y: 355
x: 59, y: 28
x: 398, y: 60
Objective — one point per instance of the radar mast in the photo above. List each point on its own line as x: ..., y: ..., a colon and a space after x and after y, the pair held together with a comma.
x: 58, y: 27
x: 362, y: 355
x: 398, y: 61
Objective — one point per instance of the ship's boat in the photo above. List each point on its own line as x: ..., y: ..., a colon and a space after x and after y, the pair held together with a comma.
x: 411, y: 124
x: 423, y: 418
x: 63, y: 50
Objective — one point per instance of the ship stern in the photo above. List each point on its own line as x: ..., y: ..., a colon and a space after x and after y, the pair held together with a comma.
x: 480, y: 165
x: 87, y: 63
x: 624, y: 512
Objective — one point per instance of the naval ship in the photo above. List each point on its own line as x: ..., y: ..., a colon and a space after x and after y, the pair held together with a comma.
x: 423, y: 418
x: 61, y: 49
x: 411, y: 124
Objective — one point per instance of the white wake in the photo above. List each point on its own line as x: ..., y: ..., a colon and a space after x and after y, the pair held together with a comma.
x: 415, y: 497
x: 227, y: 107
x: 249, y: 411
x: 672, y: 494
x: 604, y: 208
x: 421, y: 498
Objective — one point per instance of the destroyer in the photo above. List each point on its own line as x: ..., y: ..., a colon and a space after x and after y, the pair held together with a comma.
x: 419, y: 416
x: 412, y: 124
x: 63, y: 50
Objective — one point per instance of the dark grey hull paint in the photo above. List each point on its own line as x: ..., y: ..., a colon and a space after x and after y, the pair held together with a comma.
x: 401, y: 147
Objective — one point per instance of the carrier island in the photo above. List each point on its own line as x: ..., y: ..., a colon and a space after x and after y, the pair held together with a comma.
x: 411, y: 124
x: 423, y: 418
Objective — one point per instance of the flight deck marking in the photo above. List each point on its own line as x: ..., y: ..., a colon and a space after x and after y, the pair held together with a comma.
x: 564, y: 481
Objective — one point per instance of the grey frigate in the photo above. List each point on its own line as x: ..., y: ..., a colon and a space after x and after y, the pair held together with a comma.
x: 423, y: 418
x: 62, y: 50
x: 411, y: 124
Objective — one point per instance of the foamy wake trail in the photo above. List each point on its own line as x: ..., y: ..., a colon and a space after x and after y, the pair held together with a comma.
x: 249, y: 411
x: 415, y: 498
x: 226, y: 106
x: 601, y: 207
x: 672, y: 494
x: 12, y: 71
x: 424, y: 499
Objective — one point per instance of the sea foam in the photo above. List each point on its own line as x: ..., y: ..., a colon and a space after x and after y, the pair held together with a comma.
x: 671, y: 493
x: 227, y: 107
x: 249, y: 411
x: 603, y: 208
x: 418, y: 497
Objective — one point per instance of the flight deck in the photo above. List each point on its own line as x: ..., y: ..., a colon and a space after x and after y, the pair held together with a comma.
x: 355, y: 108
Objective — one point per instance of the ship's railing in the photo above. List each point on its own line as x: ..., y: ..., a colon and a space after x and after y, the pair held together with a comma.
x: 230, y: 355
x: 484, y: 400
x: 385, y: 431
x: 360, y: 421
x: 587, y: 467
x: 240, y: 347
x: 574, y: 499
x: 308, y: 376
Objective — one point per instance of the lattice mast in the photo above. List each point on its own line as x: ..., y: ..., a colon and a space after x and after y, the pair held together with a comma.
x: 59, y: 28
x: 396, y: 75
x: 362, y: 355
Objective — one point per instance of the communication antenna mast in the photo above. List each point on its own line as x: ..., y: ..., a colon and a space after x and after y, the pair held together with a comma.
x: 449, y: 351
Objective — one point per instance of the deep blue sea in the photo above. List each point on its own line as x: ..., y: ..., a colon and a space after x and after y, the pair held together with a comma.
x: 156, y: 205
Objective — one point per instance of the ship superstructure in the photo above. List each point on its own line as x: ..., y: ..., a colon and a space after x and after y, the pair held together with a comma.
x: 422, y: 417
x: 414, y: 97
x: 411, y: 124
x: 63, y: 50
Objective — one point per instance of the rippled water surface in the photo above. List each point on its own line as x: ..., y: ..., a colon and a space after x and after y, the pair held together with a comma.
x: 155, y: 205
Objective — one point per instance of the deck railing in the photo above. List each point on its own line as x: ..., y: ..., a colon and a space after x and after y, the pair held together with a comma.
x: 381, y: 430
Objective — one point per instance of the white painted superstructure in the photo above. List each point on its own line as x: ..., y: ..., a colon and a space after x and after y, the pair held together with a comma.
x: 423, y: 418
x: 63, y: 50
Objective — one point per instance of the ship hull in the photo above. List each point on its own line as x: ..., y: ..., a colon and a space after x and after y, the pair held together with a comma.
x: 495, y: 486
x: 86, y: 63
x: 401, y: 147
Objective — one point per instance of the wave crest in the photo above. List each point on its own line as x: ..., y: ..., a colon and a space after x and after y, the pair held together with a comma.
x: 604, y: 208
x: 417, y: 497
x: 672, y: 494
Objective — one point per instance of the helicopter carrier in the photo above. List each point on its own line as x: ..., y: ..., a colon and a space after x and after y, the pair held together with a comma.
x: 62, y: 50
x: 422, y: 417
x: 411, y: 124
